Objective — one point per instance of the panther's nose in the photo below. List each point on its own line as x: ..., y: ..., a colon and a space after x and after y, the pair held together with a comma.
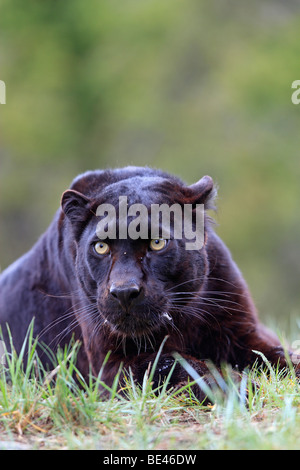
x: 126, y: 295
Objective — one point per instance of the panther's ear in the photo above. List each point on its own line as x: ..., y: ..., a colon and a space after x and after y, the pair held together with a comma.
x: 76, y: 206
x: 203, y: 192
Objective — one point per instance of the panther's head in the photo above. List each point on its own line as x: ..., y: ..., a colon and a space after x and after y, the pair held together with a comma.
x: 136, y: 278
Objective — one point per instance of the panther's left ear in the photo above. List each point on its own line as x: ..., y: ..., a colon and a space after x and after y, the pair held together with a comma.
x: 76, y: 206
x: 203, y: 192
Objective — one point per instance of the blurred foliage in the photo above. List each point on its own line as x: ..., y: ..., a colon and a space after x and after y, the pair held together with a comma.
x: 195, y: 87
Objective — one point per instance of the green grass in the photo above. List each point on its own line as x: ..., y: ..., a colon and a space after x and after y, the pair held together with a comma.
x: 59, y: 410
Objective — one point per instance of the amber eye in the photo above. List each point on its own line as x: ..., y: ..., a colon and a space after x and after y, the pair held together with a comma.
x: 158, y: 244
x: 101, y: 248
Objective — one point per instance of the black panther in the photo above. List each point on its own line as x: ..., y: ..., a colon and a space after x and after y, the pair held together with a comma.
x: 128, y: 296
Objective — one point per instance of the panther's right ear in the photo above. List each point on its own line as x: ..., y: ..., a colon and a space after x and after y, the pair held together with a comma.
x: 76, y: 206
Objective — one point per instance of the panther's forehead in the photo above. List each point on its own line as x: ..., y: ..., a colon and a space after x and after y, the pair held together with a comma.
x: 142, y: 190
x: 95, y: 182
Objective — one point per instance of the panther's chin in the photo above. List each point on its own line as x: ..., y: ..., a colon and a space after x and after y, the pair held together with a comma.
x: 131, y: 325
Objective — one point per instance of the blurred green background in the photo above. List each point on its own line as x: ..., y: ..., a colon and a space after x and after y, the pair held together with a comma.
x: 193, y: 87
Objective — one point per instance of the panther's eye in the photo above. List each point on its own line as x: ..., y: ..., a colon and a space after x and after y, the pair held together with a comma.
x: 157, y: 244
x: 101, y: 248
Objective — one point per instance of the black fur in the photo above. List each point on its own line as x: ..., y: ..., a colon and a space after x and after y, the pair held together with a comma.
x: 198, y: 298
